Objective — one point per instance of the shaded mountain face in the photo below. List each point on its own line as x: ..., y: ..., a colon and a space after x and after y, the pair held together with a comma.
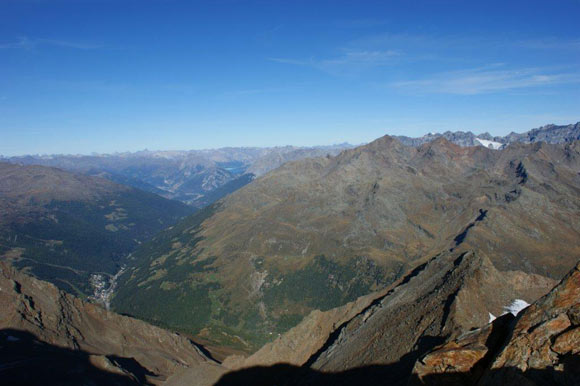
x: 318, y: 233
x: 197, y: 177
x: 449, y: 294
x: 75, y: 230
x: 395, y: 336
x: 50, y: 337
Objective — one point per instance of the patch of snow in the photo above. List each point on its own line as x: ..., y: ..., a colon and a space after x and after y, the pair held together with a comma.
x: 490, y: 144
x: 516, y: 306
x: 491, y: 317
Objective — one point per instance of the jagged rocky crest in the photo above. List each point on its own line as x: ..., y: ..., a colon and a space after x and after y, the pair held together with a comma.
x: 541, y: 346
x: 67, y: 339
x: 549, y: 134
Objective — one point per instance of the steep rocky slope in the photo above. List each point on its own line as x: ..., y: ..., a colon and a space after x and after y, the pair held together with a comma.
x: 64, y: 227
x: 464, y: 285
x: 318, y: 233
x: 539, y: 347
x: 48, y: 336
x: 451, y: 295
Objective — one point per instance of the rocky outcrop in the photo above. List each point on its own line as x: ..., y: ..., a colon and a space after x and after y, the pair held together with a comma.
x: 297, y: 345
x: 39, y: 323
x: 450, y: 294
x: 387, y: 331
x: 539, y: 347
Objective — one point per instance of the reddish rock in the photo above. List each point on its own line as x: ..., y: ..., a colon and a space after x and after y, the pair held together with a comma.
x: 88, y: 336
x: 541, y: 346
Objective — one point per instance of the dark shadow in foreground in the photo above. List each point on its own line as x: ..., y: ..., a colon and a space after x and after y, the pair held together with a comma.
x: 287, y: 375
x: 26, y: 360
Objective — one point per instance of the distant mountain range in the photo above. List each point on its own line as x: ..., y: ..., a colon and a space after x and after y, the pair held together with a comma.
x: 548, y: 134
x: 196, y: 177
x: 200, y: 177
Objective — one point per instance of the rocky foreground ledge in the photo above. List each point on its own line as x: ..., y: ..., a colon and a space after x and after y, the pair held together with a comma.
x: 541, y: 346
x: 50, y: 337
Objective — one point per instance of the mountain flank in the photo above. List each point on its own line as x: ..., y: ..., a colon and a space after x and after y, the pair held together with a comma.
x: 48, y: 336
x: 418, y: 333
x: 43, y: 328
x: 75, y: 230
x: 319, y: 233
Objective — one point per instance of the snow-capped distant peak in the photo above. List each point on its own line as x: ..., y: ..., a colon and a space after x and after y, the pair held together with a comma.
x: 490, y: 144
x: 516, y: 306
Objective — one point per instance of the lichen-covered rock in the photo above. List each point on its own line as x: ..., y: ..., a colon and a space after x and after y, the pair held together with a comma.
x: 540, y: 347
x: 461, y: 359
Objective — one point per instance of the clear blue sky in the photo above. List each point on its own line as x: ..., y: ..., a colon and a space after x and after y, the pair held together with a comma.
x: 83, y: 76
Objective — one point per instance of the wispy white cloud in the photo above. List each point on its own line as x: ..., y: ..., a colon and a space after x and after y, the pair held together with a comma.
x: 414, y: 42
x: 91, y: 86
x: 392, y: 49
x: 550, y: 44
x: 264, y: 90
x: 348, y: 62
x: 26, y: 43
x: 359, y: 23
x: 485, y: 80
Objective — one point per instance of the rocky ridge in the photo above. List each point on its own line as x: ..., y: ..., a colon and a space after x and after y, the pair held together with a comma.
x: 548, y: 133
x: 393, y: 338
x: 41, y: 324
x: 541, y: 346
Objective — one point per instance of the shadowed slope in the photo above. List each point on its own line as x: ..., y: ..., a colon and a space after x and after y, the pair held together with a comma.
x: 66, y: 325
x: 510, y: 351
x: 63, y: 227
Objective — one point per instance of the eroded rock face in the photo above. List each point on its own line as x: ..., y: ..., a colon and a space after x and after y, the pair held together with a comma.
x: 451, y: 294
x: 379, y: 337
x: 297, y: 345
x: 41, y: 322
x: 541, y: 346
